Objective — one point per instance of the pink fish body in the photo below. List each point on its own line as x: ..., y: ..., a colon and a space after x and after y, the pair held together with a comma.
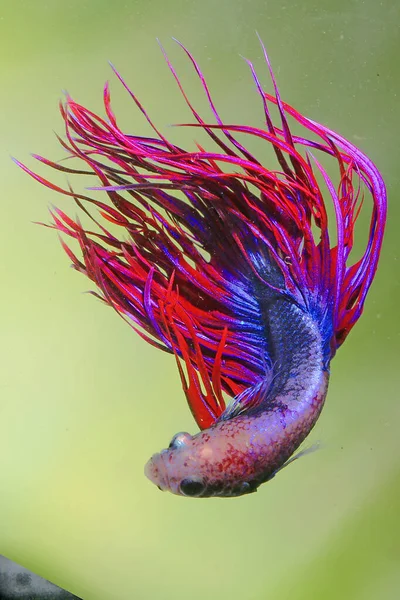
x: 235, y: 455
x: 227, y: 264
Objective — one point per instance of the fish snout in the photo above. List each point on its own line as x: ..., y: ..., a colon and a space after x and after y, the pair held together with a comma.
x: 155, y: 471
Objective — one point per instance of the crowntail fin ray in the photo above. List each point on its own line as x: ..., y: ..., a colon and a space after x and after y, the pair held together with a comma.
x: 202, y: 232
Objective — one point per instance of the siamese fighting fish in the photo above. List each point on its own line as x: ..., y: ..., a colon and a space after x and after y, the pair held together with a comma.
x: 241, y: 266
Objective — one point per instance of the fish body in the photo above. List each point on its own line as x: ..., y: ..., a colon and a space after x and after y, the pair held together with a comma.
x: 238, y: 453
x: 232, y: 266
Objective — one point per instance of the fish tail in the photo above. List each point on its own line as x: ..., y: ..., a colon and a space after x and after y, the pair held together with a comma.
x: 186, y: 245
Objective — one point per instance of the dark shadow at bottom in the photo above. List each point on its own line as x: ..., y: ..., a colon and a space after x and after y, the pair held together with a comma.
x: 17, y: 583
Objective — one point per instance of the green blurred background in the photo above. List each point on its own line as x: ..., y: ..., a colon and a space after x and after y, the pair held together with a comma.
x: 84, y: 402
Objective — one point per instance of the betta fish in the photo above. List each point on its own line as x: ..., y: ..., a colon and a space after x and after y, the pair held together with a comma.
x: 244, y: 272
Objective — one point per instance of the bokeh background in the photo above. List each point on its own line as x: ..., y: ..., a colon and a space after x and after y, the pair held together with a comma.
x: 84, y: 402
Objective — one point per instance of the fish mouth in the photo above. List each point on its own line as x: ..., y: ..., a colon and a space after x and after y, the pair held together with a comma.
x: 155, y: 471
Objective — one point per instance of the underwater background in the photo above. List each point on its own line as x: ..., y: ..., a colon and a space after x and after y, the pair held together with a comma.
x: 85, y: 402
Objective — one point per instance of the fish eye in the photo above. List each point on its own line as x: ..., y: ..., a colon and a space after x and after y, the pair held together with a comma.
x: 180, y: 439
x: 192, y: 486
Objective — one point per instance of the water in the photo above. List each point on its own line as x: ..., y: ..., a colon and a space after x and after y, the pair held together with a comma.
x: 82, y: 409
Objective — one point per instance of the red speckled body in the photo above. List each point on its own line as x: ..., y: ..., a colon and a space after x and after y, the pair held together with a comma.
x: 234, y: 456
